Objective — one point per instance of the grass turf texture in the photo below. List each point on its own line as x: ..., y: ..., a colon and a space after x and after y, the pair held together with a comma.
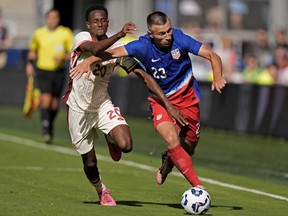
x: 35, y: 181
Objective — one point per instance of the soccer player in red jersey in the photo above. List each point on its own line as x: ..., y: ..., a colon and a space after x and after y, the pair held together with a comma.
x: 164, y: 52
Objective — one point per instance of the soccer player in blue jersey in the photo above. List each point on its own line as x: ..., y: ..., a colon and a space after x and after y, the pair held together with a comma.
x: 164, y: 52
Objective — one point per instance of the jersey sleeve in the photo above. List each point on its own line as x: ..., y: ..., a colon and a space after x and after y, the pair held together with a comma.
x: 136, y: 49
x: 33, y: 43
x: 127, y: 63
x: 191, y: 45
x: 81, y: 38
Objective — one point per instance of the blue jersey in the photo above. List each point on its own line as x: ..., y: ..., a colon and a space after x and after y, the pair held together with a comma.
x: 171, y: 69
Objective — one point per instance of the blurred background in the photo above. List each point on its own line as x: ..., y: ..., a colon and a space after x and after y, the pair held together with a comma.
x: 249, y: 35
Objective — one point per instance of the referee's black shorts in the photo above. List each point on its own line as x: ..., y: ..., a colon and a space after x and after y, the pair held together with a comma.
x: 51, y: 82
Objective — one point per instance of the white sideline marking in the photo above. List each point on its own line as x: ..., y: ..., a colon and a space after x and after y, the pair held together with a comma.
x: 64, y: 150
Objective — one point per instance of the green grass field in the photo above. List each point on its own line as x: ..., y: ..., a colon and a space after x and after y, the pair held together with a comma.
x: 245, y: 175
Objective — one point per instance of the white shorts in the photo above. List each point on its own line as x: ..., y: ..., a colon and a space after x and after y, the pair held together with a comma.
x: 83, y: 126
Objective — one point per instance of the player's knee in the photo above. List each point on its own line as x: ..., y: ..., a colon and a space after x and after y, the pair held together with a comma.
x: 171, y: 140
x: 125, y: 145
x: 127, y: 148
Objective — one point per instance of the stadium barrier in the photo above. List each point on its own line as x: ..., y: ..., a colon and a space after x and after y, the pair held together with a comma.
x: 242, y: 108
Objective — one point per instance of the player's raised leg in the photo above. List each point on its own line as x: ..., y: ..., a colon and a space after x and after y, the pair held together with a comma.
x: 119, y: 140
x: 114, y: 151
x: 116, y: 131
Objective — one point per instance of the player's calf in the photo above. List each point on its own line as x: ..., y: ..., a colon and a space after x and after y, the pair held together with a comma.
x: 114, y: 150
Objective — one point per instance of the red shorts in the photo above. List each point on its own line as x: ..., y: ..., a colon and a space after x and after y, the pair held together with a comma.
x: 192, y: 114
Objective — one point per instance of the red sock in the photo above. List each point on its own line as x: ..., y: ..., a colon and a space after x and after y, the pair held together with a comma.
x: 183, y: 162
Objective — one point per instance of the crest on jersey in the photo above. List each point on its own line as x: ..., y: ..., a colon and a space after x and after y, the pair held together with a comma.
x: 175, y: 53
x: 158, y: 117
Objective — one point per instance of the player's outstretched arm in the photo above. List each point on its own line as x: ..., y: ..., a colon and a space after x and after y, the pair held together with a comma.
x: 129, y: 28
x: 153, y: 86
x: 95, y: 48
x: 98, y: 49
x: 84, y: 66
x: 218, y: 81
x: 130, y: 64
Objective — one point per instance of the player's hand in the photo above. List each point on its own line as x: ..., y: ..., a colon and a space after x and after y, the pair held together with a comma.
x: 129, y: 28
x: 59, y: 60
x: 30, y: 70
x: 177, y: 115
x: 80, y: 69
x: 218, y: 84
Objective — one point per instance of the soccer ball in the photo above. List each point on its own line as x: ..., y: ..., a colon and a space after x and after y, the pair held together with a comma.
x: 196, y: 201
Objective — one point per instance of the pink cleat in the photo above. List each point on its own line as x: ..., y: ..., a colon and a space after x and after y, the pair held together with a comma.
x: 106, y: 199
x: 114, y: 150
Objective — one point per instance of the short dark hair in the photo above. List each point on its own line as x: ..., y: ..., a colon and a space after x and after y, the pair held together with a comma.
x: 95, y: 7
x: 157, y: 18
x: 52, y: 10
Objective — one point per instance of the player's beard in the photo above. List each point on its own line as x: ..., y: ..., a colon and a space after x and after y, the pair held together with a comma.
x: 101, y: 37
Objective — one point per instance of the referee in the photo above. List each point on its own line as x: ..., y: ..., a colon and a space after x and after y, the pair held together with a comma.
x: 49, y: 49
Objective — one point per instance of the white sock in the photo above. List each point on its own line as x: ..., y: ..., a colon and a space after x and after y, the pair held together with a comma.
x: 98, y: 185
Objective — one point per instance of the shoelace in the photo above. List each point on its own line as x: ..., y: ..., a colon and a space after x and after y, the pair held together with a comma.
x: 106, y: 196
